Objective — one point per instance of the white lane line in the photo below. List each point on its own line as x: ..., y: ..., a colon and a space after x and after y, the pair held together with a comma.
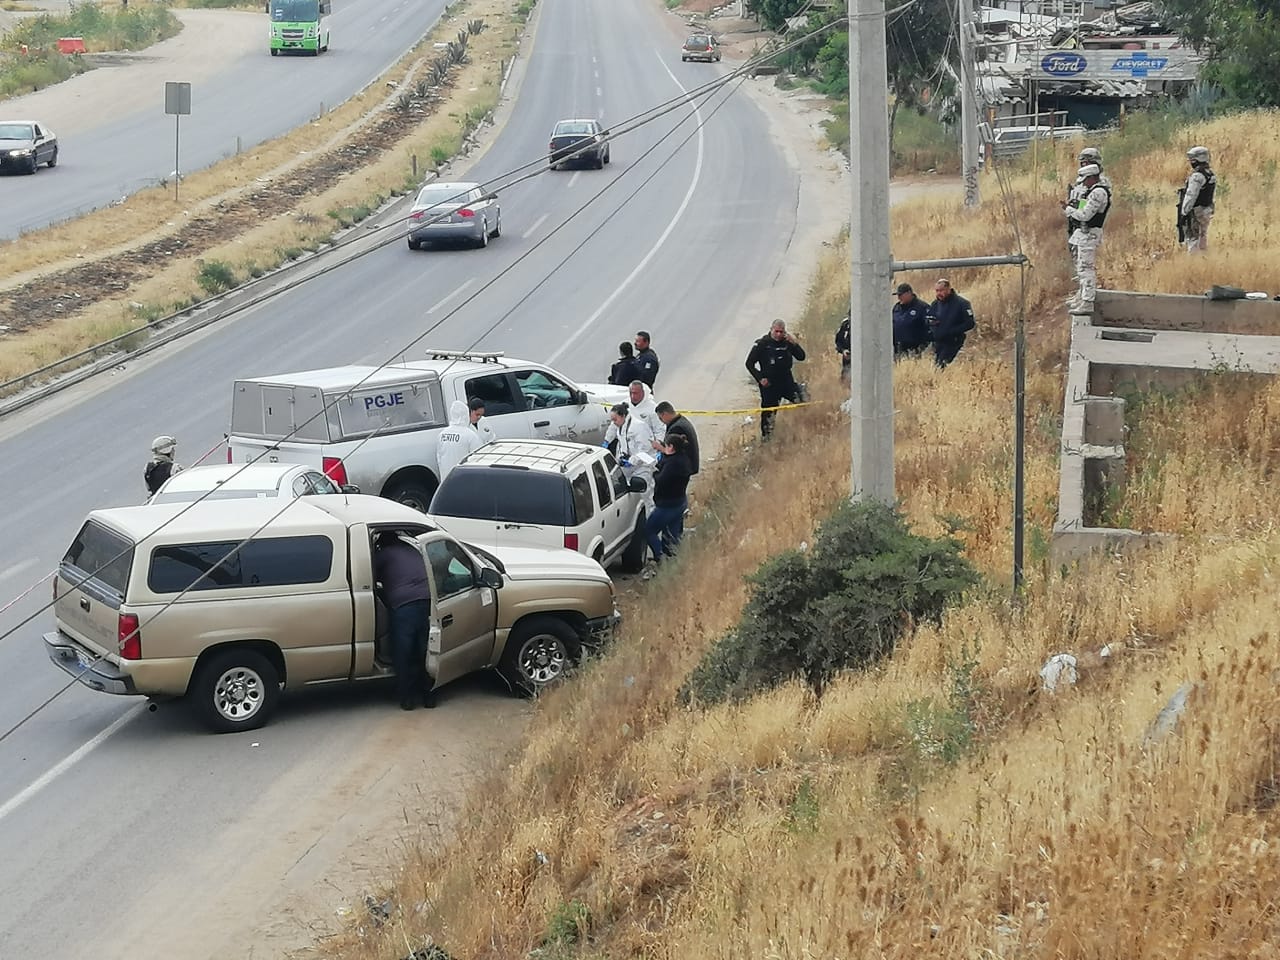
x: 596, y: 74
x: 445, y: 299
x: 54, y: 772
x: 593, y: 60
x: 572, y: 340
x: 599, y: 92
x: 384, y: 19
x: 534, y: 229
x: 574, y: 178
x: 17, y: 568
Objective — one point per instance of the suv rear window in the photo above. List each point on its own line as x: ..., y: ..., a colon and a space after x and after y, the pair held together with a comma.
x: 101, y: 554
x: 270, y: 562
x: 508, y: 494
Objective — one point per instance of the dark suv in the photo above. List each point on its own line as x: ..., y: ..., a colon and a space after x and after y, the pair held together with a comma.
x: 578, y: 141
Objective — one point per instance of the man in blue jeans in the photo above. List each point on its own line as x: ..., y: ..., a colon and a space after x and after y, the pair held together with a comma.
x: 401, y: 575
x: 670, y: 497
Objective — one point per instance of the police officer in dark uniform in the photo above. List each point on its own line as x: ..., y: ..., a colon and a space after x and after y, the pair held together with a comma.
x: 950, y: 318
x: 911, y: 333
x: 769, y: 364
x: 843, y: 347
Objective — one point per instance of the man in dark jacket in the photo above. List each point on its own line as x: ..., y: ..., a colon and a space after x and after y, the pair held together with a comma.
x: 678, y: 423
x: 951, y: 317
x: 843, y: 348
x: 769, y: 364
x: 911, y: 335
x: 624, y: 369
x: 401, y: 575
x: 646, y: 360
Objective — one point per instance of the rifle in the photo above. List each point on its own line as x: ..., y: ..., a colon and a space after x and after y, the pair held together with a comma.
x: 1182, y: 221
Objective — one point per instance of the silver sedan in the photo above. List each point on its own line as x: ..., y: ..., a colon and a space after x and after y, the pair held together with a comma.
x: 454, y: 211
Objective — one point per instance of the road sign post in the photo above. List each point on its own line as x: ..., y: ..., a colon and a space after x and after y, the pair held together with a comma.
x: 177, y: 101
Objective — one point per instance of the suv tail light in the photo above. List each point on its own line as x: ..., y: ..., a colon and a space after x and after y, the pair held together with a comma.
x: 416, y: 215
x: 228, y: 453
x: 464, y: 212
x: 334, y: 469
x: 571, y: 541
x: 130, y: 640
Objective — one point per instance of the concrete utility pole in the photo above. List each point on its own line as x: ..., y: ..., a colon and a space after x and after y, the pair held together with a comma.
x: 871, y: 334
x: 969, y: 143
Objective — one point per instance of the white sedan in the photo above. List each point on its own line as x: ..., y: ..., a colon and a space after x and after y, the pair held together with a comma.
x: 233, y: 481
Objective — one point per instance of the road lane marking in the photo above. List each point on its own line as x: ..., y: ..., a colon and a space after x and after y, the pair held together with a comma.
x: 445, y: 299
x: 573, y: 339
x: 534, y: 229
x: 54, y: 772
x: 596, y: 74
x: 17, y: 568
x: 574, y: 178
x: 599, y: 92
x: 593, y: 60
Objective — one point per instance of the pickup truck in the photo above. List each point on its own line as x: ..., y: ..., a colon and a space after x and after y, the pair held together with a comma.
x: 376, y: 427
x: 228, y: 602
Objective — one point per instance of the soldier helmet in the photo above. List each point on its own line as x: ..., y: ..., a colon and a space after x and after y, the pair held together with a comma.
x: 1090, y: 170
x: 1090, y: 155
x: 164, y: 445
x: 1198, y: 154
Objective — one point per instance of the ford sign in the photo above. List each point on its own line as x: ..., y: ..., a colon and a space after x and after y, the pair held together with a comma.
x: 1064, y: 64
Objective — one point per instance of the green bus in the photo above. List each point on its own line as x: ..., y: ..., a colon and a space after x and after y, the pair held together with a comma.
x: 299, y: 26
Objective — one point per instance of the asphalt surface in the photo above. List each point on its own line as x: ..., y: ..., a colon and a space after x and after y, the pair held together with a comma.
x: 257, y: 98
x: 681, y: 259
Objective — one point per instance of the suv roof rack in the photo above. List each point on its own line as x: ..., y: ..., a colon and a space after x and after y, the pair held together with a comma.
x: 560, y: 460
x: 491, y: 357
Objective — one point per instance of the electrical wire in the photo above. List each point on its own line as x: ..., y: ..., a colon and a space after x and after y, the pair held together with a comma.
x: 289, y: 503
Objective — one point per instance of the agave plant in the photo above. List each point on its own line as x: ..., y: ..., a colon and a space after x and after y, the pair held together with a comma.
x: 439, y: 71
x: 404, y: 102
x: 475, y: 26
x: 457, y: 53
x: 463, y: 36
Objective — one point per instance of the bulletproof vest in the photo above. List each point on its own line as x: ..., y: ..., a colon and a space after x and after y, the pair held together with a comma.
x: 1205, y: 199
x: 156, y: 473
x: 1098, y: 219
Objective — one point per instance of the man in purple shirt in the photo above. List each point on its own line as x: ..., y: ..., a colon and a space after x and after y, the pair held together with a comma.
x: 401, y: 575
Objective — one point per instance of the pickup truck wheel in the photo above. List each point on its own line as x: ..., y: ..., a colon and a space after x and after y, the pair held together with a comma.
x: 236, y: 690
x: 633, y: 555
x: 412, y: 493
x: 539, y: 652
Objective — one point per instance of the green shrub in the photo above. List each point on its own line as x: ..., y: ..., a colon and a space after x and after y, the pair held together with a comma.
x: 215, y: 276
x: 842, y: 605
x: 568, y: 923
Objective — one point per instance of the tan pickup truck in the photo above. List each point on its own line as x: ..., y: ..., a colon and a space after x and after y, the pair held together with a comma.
x: 157, y: 601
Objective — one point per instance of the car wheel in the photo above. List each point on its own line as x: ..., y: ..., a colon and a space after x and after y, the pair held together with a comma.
x: 412, y: 493
x: 236, y: 689
x: 34, y: 165
x: 607, y: 156
x: 633, y: 554
x: 414, y: 244
x: 539, y: 652
x: 497, y: 230
x: 53, y: 161
x: 484, y: 234
x: 598, y: 162
x: 684, y: 59
x: 275, y: 53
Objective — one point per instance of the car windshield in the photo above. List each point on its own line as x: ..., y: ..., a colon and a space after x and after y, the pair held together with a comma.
x: 696, y: 41
x: 295, y: 11
x: 16, y: 131
x: 578, y: 128
x: 436, y: 195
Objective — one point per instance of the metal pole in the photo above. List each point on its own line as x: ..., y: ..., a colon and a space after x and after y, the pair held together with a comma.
x: 177, y: 119
x: 871, y: 348
x: 1019, y: 429
x: 1013, y: 259
x: 968, y: 105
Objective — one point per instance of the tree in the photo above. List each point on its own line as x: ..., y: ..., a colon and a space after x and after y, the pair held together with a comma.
x: 916, y: 39
x: 1240, y: 39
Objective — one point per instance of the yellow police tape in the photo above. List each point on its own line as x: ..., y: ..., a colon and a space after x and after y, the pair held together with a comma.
x: 735, y: 413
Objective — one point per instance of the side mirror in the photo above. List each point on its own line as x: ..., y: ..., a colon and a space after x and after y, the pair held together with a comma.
x: 580, y: 397
x: 490, y: 196
x: 604, y: 133
x: 491, y: 578
x: 350, y: 488
x: 637, y: 485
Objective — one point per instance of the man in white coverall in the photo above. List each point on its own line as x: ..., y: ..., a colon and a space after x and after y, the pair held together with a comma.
x: 644, y: 408
x: 635, y: 439
x: 464, y: 434
x: 1087, y: 215
x: 1197, y: 200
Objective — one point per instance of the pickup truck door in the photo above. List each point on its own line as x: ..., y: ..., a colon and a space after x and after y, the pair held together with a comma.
x: 553, y: 412
x: 464, y: 612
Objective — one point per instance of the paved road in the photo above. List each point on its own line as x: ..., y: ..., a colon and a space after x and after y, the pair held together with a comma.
x: 684, y: 260
x: 255, y: 98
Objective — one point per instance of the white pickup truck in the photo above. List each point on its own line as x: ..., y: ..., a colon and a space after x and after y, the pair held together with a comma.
x: 376, y: 427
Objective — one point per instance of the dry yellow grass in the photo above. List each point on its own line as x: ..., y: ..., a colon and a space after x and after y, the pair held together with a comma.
x: 792, y: 828
x: 305, y: 227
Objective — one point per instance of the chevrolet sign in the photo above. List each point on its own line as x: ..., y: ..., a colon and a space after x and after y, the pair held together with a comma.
x: 1139, y: 64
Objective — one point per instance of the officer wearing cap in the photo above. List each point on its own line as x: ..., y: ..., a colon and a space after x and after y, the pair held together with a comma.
x: 911, y: 334
x: 1087, y: 217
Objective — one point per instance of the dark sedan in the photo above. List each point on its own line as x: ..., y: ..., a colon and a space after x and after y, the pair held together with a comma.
x: 25, y: 144
x: 578, y: 141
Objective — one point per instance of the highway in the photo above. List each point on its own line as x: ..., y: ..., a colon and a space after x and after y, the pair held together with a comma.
x: 114, y: 843
x: 254, y: 98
